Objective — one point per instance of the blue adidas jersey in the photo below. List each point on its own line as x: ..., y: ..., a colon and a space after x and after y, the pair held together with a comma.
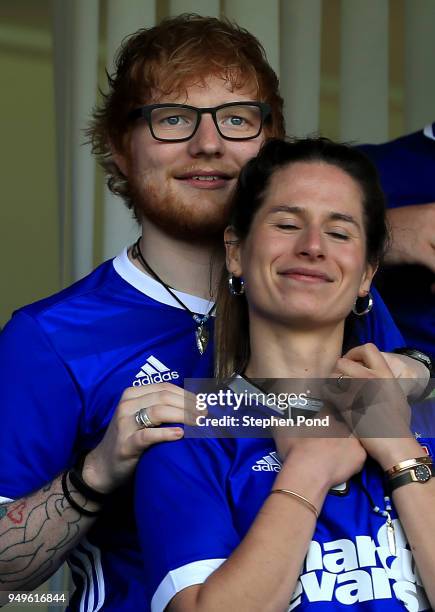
x: 406, y: 169
x: 64, y: 363
x: 201, y: 496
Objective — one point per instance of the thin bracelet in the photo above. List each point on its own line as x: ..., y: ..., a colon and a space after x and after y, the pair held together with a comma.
x: 301, y: 498
x: 408, y: 463
x: 72, y: 502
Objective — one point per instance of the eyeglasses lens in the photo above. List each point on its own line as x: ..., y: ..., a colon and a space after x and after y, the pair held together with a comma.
x: 239, y: 121
x: 233, y: 122
x: 173, y: 122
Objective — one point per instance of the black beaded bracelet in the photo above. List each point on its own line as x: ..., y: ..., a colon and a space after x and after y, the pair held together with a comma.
x: 424, y: 359
x: 75, y: 475
x: 72, y: 502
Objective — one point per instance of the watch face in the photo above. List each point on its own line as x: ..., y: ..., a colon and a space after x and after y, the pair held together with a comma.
x: 422, y: 473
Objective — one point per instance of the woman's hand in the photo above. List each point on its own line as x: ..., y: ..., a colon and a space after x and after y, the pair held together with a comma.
x: 330, y: 454
x: 114, y: 459
x: 374, y: 405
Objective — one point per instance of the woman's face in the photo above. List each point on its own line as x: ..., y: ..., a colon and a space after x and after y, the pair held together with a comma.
x: 304, y: 259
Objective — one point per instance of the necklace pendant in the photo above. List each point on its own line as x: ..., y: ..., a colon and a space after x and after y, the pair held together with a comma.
x: 202, y: 336
x: 391, y: 537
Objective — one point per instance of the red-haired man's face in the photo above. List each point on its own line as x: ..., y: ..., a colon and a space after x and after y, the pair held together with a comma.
x: 184, y: 188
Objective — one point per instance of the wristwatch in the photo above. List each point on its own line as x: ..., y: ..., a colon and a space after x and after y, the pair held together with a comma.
x: 418, y: 356
x: 419, y: 473
x: 407, y: 464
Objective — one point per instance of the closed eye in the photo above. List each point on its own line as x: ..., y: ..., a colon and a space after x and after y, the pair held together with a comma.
x: 339, y: 235
x: 287, y: 226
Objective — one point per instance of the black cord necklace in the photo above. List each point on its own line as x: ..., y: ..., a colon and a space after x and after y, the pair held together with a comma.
x: 202, y: 333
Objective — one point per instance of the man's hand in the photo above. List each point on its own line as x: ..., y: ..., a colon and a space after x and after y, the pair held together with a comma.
x: 411, y: 374
x: 413, y: 235
x: 114, y: 459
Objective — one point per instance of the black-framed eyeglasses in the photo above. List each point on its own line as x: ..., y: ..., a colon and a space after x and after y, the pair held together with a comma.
x: 178, y: 122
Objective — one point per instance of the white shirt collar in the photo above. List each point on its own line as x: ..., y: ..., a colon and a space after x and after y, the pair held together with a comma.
x: 429, y: 130
x: 153, y: 289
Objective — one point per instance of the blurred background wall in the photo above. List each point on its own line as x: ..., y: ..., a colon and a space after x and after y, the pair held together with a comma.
x: 358, y: 70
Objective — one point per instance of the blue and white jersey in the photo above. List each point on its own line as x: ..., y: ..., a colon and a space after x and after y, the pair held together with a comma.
x: 406, y: 169
x: 64, y: 363
x: 197, y: 498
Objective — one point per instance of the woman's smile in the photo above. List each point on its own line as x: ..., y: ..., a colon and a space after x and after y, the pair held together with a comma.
x: 306, y: 275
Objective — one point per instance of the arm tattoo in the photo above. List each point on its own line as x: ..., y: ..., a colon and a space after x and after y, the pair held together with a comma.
x: 36, y: 534
x: 16, y: 513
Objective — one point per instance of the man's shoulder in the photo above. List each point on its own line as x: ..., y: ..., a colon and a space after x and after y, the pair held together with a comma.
x: 418, y: 142
x: 405, y: 166
x: 83, y: 289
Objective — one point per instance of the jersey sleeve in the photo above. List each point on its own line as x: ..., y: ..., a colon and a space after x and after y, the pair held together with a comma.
x: 183, y: 516
x: 40, y: 409
x: 405, y: 166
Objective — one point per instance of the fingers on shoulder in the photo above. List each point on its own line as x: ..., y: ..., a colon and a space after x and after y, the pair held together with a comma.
x: 144, y: 438
x: 147, y: 390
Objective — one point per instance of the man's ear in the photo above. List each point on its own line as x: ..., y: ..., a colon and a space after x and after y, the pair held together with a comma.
x: 233, y: 252
x: 366, y: 280
x: 120, y: 158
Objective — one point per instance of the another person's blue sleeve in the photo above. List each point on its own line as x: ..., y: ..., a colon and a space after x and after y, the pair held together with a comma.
x: 405, y: 167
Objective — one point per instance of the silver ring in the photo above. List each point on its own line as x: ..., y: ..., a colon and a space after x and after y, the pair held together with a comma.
x: 339, y: 379
x: 142, y: 419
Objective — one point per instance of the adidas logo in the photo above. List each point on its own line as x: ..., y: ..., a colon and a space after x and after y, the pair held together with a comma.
x: 269, y: 463
x: 154, y: 371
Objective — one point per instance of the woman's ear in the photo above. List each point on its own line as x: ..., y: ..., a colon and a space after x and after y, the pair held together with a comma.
x: 366, y: 280
x: 233, y: 252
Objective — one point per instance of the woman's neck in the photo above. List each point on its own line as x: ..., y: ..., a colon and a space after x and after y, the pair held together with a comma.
x: 282, y: 352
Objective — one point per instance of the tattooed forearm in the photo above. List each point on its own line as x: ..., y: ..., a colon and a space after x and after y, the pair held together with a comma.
x: 36, y: 534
